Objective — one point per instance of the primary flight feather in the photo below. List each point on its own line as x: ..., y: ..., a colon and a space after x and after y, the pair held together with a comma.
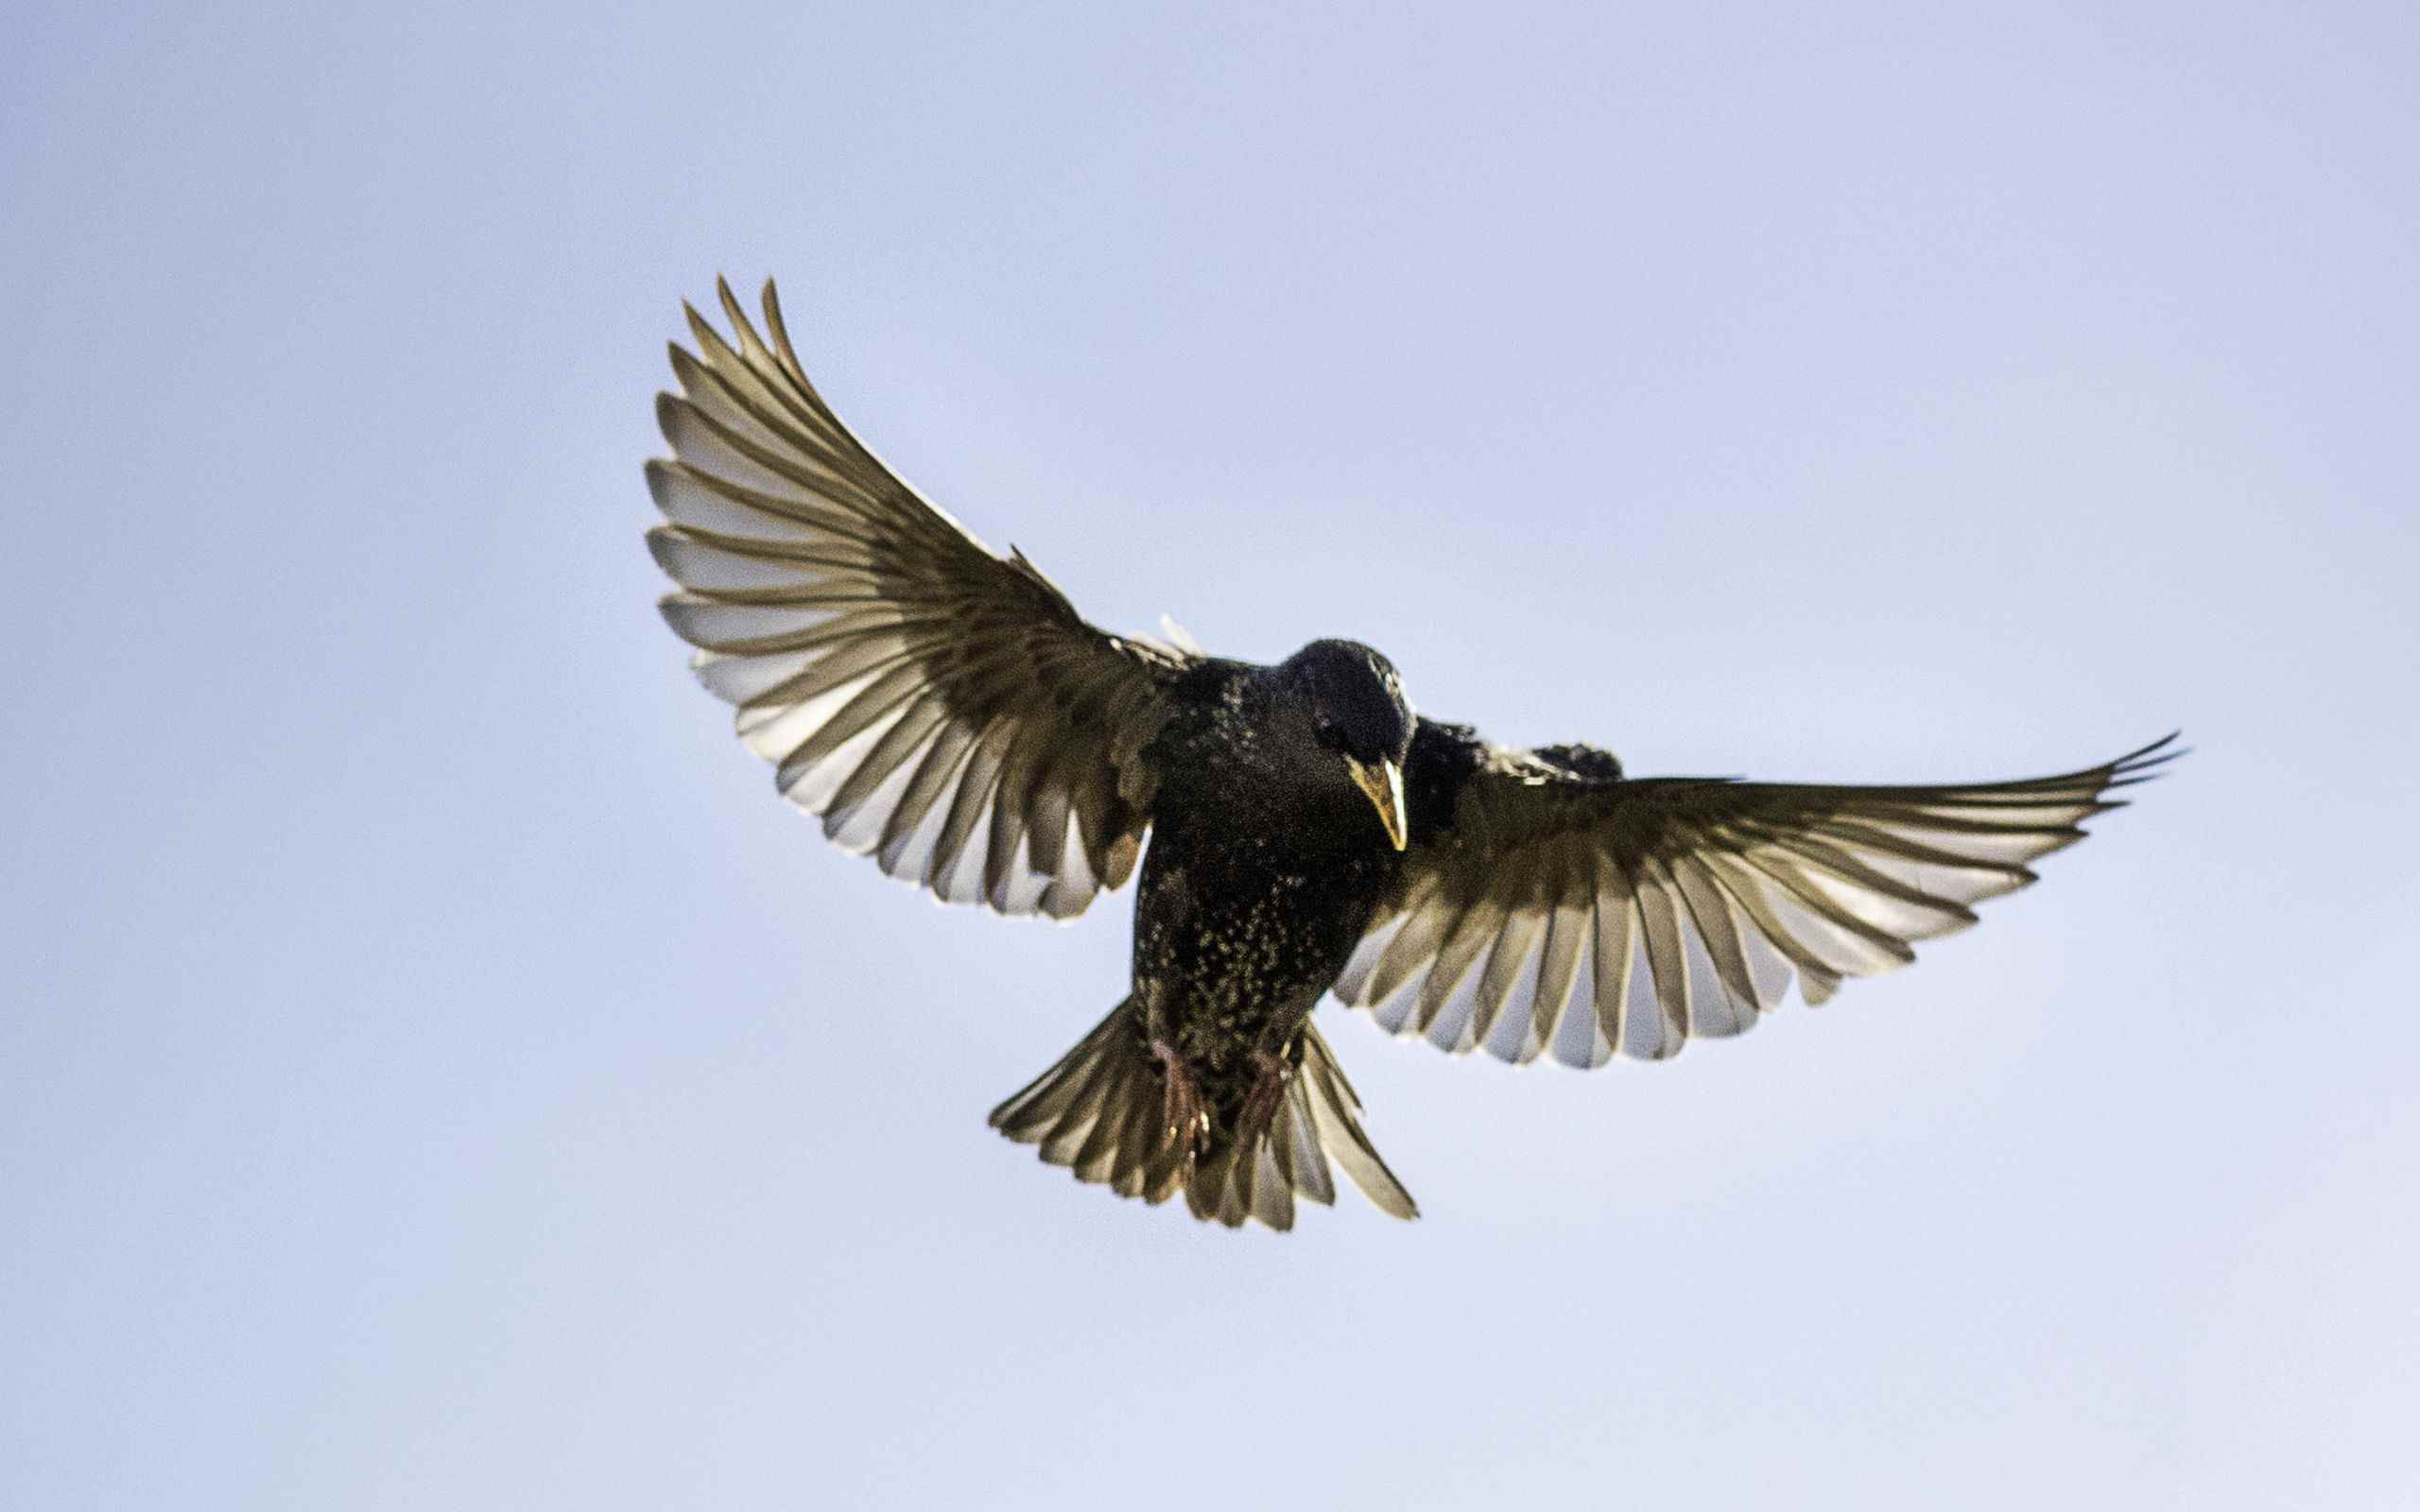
x: 946, y: 710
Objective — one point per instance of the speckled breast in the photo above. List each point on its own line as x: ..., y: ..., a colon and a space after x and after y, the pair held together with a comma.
x: 1239, y: 938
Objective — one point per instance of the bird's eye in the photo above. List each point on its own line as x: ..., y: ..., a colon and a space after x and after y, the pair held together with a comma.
x: 1328, y: 732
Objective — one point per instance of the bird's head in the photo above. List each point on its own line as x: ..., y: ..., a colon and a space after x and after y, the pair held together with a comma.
x: 1349, y: 703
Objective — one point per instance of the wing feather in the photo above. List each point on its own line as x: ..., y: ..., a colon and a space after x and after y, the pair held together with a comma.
x: 1541, y: 882
x: 938, y: 706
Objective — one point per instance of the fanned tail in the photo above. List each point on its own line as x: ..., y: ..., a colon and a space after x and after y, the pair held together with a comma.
x: 1101, y: 1111
x: 1317, y: 1118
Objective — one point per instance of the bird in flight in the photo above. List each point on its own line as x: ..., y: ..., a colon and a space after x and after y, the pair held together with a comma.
x: 946, y: 711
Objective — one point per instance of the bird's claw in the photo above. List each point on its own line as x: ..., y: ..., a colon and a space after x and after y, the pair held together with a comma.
x: 1183, y: 1117
x: 1268, y: 1091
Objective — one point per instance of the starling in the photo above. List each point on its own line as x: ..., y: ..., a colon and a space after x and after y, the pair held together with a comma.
x: 946, y: 710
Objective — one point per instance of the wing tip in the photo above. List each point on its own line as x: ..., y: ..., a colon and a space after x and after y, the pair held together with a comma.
x: 2157, y: 754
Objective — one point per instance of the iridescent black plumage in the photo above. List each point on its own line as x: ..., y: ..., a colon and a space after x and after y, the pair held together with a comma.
x: 947, y: 711
x: 1267, y: 861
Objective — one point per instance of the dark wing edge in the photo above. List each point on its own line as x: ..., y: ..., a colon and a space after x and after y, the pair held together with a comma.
x: 1551, y: 905
x: 940, y: 708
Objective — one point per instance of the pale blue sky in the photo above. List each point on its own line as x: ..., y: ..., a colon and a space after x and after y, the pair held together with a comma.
x: 436, y: 1071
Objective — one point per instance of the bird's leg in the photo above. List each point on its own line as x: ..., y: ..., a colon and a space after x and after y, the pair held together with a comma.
x: 1268, y: 1090
x: 1182, y: 1115
x: 1182, y: 1118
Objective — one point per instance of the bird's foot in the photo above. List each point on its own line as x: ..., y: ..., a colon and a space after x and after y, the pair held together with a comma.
x: 1268, y: 1091
x: 1183, y: 1117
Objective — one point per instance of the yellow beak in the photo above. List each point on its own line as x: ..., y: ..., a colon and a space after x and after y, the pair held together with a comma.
x: 1384, y: 784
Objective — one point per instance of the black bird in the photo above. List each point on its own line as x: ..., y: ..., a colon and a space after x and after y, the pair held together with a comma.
x: 947, y: 712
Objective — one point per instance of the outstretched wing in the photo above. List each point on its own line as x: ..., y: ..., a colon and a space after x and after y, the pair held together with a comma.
x: 1550, y: 903
x: 945, y: 709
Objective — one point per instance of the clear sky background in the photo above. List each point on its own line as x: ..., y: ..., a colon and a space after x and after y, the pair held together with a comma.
x: 436, y: 1071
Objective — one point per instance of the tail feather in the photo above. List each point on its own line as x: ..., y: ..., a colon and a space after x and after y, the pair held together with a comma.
x: 1334, y: 1105
x: 1099, y: 1111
